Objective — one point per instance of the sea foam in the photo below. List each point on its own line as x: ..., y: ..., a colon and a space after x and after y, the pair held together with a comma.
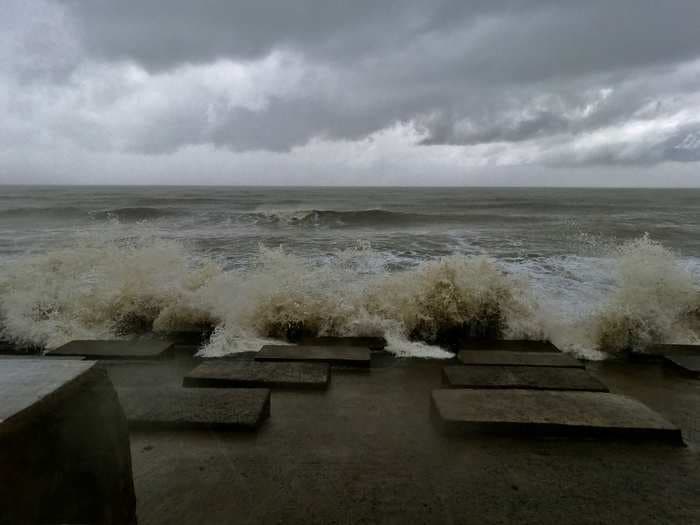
x: 125, y: 279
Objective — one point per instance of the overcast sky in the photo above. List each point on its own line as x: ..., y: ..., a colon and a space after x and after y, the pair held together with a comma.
x: 542, y: 92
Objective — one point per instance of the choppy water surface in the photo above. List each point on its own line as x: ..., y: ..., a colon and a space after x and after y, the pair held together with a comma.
x: 591, y: 269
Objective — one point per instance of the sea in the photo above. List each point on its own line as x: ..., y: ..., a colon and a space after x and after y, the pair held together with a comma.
x: 596, y: 271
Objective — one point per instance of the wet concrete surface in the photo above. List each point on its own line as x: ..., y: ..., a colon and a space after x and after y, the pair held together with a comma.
x: 232, y: 374
x: 352, y: 356
x: 506, y: 358
x: 523, y: 377
x: 366, y: 451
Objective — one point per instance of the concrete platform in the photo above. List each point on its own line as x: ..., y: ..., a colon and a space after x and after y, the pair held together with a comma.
x: 509, y: 358
x: 366, y: 451
x: 530, y: 378
x: 572, y: 414
x: 373, y: 343
x: 510, y: 346
x: 117, y: 349
x: 195, y: 408
x: 64, y: 445
x: 353, y: 356
x: 222, y: 374
x: 688, y: 364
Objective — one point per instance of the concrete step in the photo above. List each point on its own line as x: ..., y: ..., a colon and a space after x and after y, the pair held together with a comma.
x: 510, y: 358
x: 195, y: 408
x: 549, y: 414
x: 223, y: 373
x: 522, y: 377
x: 373, y: 343
x: 117, y: 349
x: 353, y: 356
x: 510, y: 345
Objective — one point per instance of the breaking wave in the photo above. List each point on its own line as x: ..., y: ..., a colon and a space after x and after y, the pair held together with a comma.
x: 125, y: 280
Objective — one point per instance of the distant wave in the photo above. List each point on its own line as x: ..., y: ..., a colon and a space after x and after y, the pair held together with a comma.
x: 130, y: 214
x: 375, y: 218
x: 33, y: 212
x: 135, y: 214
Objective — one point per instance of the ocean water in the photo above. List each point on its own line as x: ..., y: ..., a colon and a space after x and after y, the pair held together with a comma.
x: 595, y: 270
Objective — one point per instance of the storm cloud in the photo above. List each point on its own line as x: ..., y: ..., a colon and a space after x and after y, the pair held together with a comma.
x: 452, y: 86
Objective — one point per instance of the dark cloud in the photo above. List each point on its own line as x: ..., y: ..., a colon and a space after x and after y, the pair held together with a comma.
x: 508, y: 81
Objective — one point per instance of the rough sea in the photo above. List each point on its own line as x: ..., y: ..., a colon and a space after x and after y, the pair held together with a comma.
x: 595, y: 270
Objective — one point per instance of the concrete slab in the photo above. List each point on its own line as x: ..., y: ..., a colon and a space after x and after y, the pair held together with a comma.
x: 117, y: 349
x: 373, y: 343
x: 531, y: 378
x: 578, y: 414
x: 368, y: 442
x: 64, y: 445
x: 508, y: 358
x: 688, y: 364
x: 354, y: 356
x: 195, y: 408
x: 510, y: 346
x: 222, y: 374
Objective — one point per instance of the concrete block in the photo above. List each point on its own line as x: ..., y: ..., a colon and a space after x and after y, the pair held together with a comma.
x: 549, y: 414
x: 145, y: 373
x: 195, y: 408
x: 354, y: 356
x: 522, y: 377
x: 64, y: 445
x: 223, y: 373
x: 510, y: 345
x: 688, y: 364
x: 137, y: 349
x: 508, y: 358
x: 373, y: 343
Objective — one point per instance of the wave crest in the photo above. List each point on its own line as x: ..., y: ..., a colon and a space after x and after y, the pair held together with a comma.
x: 656, y: 301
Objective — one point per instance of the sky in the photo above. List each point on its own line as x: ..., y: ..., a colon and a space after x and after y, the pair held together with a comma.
x: 362, y: 92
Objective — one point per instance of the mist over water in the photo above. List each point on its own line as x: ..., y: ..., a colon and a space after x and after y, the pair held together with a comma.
x: 592, y: 270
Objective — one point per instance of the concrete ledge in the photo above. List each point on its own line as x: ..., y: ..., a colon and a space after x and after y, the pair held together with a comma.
x: 139, y: 349
x: 688, y: 364
x: 64, y: 445
x: 223, y: 374
x: 508, y: 358
x: 44, y: 357
x: 373, y: 343
x: 531, y: 378
x: 334, y: 355
x: 195, y: 408
x: 510, y: 346
x: 549, y: 414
